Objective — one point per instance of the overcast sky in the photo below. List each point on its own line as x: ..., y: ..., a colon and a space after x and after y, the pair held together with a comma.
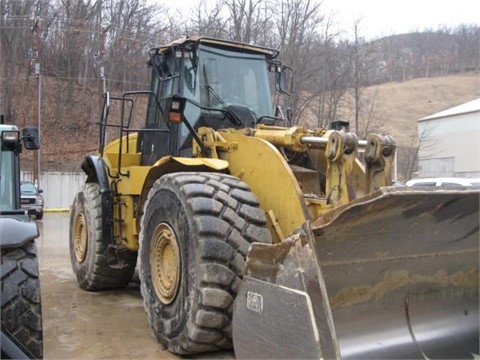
x: 387, y: 17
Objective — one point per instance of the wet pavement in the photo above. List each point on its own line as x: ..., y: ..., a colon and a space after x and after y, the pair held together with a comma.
x: 90, y: 325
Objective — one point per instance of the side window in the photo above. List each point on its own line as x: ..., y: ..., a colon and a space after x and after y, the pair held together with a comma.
x: 152, y: 113
x: 163, y: 84
x: 168, y: 84
x: 450, y: 184
x: 6, y: 181
x: 425, y: 183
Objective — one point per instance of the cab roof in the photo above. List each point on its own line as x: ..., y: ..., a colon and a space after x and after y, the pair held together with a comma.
x: 269, y: 52
x: 5, y: 127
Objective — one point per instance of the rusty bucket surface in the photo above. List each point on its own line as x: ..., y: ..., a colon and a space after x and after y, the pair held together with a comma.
x: 393, y: 275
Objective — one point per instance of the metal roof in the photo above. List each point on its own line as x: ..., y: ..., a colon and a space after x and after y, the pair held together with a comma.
x: 468, y: 107
x: 271, y: 53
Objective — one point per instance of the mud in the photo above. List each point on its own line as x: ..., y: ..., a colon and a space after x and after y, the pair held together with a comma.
x: 91, y: 325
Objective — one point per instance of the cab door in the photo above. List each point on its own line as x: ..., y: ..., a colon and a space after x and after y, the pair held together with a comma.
x: 159, y: 136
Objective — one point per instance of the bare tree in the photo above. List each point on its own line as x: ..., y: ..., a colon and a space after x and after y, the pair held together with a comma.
x: 250, y: 20
x: 16, y: 49
x: 370, y: 119
x: 297, y: 26
x: 207, y: 20
x: 133, y: 26
x: 408, y: 155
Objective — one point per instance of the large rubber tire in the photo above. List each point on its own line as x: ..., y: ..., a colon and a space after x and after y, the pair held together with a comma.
x: 21, y: 300
x: 88, y: 251
x: 208, y: 221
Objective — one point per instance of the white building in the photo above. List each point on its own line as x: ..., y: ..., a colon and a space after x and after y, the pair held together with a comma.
x: 450, y: 142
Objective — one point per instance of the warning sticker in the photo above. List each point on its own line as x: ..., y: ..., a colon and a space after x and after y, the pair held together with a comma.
x: 254, y: 302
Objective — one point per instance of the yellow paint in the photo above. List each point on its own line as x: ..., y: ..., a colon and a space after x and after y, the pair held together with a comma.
x: 253, y: 156
x: 260, y: 164
x: 138, y: 183
x: 133, y: 184
x: 215, y: 164
x: 125, y: 232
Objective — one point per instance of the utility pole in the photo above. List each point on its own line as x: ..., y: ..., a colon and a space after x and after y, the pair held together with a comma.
x: 101, y: 52
x: 37, y: 97
x: 357, y: 79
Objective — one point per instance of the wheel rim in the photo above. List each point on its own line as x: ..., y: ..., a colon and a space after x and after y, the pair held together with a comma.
x: 80, y: 238
x: 165, y: 263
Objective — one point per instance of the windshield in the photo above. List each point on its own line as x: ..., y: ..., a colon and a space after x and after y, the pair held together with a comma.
x: 28, y: 188
x: 220, y: 79
x: 7, y: 194
x: 215, y: 78
x: 237, y: 79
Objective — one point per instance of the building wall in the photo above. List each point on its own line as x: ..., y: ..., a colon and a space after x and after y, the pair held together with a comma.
x: 59, y: 188
x: 450, y: 146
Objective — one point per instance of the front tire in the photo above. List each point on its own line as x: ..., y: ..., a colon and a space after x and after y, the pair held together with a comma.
x: 88, y: 251
x: 195, y: 233
x: 21, y: 299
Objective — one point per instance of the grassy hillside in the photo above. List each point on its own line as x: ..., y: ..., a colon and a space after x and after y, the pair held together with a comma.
x: 401, y: 104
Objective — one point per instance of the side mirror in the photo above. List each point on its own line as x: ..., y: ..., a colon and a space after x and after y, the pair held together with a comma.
x: 30, y: 139
x: 159, y: 61
x: 283, y: 80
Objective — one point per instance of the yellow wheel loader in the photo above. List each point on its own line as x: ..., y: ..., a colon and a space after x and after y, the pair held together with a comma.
x: 271, y: 238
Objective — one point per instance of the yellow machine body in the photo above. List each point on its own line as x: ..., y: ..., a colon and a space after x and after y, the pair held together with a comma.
x: 351, y: 266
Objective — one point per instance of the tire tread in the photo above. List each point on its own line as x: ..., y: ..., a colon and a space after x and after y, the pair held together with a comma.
x: 100, y: 276
x: 21, y: 310
x: 227, y: 218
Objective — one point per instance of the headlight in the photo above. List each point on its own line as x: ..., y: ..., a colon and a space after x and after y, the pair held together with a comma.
x: 39, y: 200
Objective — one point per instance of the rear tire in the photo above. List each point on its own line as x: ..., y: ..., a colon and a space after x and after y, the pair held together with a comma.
x: 88, y: 251
x: 21, y: 298
x: 195, y: 233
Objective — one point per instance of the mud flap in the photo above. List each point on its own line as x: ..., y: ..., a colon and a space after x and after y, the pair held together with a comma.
x: 399, y: 269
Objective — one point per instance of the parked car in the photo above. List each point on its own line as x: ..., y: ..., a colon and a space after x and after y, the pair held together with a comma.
x: 31, y: 199
x: 445, y: 182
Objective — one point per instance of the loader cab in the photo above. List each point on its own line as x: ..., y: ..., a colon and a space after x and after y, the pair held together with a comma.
x: 9, y: 197
x: 225, y: 85
x: 10, y: 147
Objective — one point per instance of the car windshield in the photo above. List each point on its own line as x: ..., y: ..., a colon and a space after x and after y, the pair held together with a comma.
x: 28, y: 188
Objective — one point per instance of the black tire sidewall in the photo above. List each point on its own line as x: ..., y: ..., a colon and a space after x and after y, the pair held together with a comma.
x: 95, y: 272
x: 16, y: 295
x: 214, y: 217
x: 168, y: 208
x: 81, y: 269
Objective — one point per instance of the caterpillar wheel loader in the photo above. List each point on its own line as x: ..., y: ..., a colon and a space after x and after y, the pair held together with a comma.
x: 21, y: 310
x: 271, y: 238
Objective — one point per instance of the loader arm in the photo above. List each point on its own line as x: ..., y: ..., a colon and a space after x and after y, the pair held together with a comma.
x: 292, y: 193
